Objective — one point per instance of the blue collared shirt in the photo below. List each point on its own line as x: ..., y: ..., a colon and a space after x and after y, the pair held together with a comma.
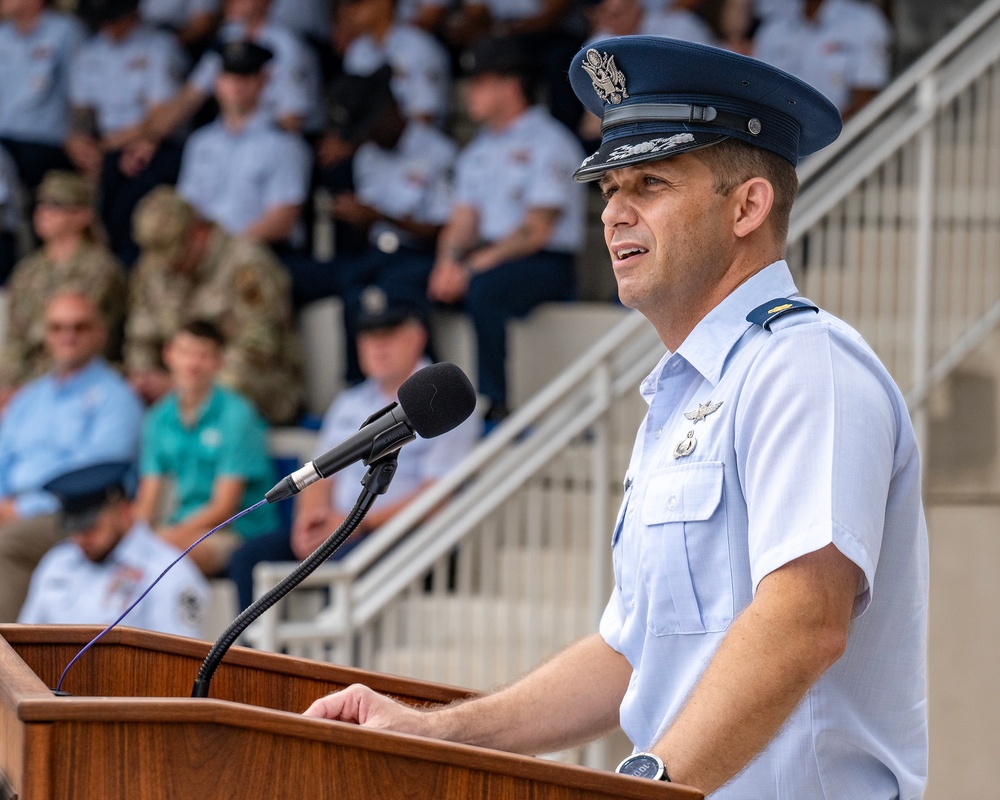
x: 805, y: 441
x: 52, y: 426
x: 34, y: 78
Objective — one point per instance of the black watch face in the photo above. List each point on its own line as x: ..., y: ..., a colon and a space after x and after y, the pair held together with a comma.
x: 642, y: 766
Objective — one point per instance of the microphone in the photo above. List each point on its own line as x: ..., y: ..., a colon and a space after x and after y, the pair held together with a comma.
x: 432, y: 401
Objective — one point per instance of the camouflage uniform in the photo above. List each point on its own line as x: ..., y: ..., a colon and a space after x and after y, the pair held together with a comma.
x: 92, y: 271
x: 238, y: 285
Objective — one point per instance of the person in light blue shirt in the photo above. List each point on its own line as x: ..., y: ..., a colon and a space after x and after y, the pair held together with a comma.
x: 81, y: 412
x: 108, y: 560
x: 766, y: 633
x: 242, y: 171
x: 517, y: 218
x: 36, y: 48
x: 120, y: 77
x: 391, y: 340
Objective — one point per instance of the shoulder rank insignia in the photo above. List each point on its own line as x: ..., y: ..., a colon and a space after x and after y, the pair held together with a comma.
x: 608, y: 80
x: 765, y: 314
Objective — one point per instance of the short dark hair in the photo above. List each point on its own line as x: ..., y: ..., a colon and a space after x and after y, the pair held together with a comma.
x: 203, y: 329
x: 733, y: 162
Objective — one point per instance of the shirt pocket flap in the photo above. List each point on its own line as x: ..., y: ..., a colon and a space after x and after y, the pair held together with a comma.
x: 683, y: 493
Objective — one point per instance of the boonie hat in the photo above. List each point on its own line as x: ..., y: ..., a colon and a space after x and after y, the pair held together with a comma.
x: 658, y: 97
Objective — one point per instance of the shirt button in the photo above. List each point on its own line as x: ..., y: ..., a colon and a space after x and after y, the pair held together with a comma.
x: 672, y: 503
x: 657, y: 432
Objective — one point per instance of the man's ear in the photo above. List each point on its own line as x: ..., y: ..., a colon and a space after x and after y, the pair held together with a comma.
x: 753, y: 200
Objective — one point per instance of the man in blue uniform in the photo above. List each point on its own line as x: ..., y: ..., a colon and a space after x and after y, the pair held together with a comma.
x: 121, y: 75
x: 36, y: 49
x: 242, y: 171
x: 766, y: 634
x: 109, y: 560
x: 517, y: 219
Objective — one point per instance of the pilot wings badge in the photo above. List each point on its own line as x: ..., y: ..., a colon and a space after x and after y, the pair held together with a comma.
x: 704, y: 409
x: 609, y: 81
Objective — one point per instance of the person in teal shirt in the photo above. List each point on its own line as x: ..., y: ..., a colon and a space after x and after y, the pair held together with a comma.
x: 204, y: 455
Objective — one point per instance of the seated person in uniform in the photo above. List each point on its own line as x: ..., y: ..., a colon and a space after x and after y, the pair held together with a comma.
x: 391, y: 341
x: 190, y: 268
x: 38, y: 44
x: 517, y: 219
x: 119, y: 77
x: 192, y: 21
x: 80, y: 412
x: 204, y: 455
x: 242, y: 171
x: 73, y: 257
x: 401, y: 199
x: 108, y: 560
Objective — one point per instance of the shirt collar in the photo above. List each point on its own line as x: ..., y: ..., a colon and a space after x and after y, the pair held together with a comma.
x: 708, y: 346
x: 82, y: 376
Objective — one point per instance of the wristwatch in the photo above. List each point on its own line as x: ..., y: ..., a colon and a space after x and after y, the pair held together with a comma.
x: 644, y: 765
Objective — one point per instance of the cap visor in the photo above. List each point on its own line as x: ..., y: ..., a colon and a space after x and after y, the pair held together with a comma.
x: 625, y: 151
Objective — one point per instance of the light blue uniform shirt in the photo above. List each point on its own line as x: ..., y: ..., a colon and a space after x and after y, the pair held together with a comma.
x: 811, y: 445
x: 232, y: 178
x: 413, y: 180
x: 303, y: 17
x: 421, y: 71
x: 53, y: 426
x: 123, y: 80
x: 175, y: 13
x: 34, y: 78
x: 529, y: 164
x: 293, y: 83
x: 420, y: 461
x: 69, y: 589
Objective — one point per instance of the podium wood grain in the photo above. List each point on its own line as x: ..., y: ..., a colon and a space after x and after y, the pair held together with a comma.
x: 132, y: 731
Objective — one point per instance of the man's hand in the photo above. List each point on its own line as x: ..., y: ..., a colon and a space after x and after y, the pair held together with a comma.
x: 448, y: 282
x: 362, y: 706
x: 312, y: 526
x: 348, y: 208
x: 8, y: 510
x: 331, y: 150
x: 85, y: 153
x: 136, y: 156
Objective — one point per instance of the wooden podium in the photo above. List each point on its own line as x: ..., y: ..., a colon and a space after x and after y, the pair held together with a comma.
x: 132, y: 731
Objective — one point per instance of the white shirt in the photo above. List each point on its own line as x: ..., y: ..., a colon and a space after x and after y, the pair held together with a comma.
x: 233, y: 178
x: 413, y: 180
x: 529, y: 164
x: 811, y: 445
x: 845, y: 47
x: 69, y: 589
x: 420, y: 461
x: 421, y: 75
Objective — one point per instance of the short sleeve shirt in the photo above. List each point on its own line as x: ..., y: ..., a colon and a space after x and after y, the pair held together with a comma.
x: 228, y: 440
x: 123, y: 80
x: 175, y: 13
x: 68, y: 589
x: 530, y: 164
x: 760, y: 447
x: 234, y: 177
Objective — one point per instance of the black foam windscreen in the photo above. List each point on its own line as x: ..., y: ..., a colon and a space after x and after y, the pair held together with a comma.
x: 436, y: 399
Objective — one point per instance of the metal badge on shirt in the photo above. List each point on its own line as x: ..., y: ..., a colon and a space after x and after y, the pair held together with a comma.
x: 686, y: 446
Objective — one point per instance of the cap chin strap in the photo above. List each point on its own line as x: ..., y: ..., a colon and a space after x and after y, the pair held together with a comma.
x: 679, y: 112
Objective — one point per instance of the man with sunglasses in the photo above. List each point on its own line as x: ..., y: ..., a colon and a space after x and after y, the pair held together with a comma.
x: 81, y: 412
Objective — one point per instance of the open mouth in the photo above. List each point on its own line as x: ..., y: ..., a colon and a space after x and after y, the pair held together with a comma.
x: 625, y: 253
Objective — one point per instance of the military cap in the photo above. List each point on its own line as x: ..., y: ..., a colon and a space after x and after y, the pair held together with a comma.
x: 98, y: 12
x: 244, y: 57
x: 359, y: 102
x: 161, y: 223
x: 502, y: 55
x: 658, y: 97
x: 380, y: 312
x: 65, y: 189
x: 83, y: 492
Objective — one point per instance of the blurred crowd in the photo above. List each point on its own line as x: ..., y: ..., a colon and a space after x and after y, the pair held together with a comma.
x: 161, y: 160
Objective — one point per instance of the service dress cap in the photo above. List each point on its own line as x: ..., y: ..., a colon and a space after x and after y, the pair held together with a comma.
x: 242, y: 57
x: 83, y: 492
x: 381, y: 312
x: 658, y: 97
